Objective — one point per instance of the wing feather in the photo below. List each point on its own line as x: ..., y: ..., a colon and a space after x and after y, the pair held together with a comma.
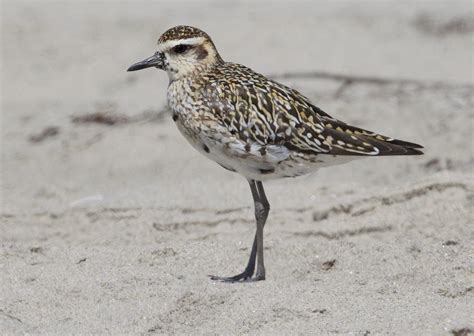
x: 258, y: 110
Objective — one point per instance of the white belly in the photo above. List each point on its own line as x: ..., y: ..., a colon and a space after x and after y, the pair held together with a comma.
x: 259, y: 162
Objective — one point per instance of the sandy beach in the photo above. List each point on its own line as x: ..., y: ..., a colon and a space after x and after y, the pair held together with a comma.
x: 110, y: 221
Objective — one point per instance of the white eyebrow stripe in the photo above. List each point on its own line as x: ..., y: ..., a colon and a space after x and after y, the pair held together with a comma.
x: 165, y: 46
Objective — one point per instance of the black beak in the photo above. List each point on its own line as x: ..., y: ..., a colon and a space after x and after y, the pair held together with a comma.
x: 157, y: 61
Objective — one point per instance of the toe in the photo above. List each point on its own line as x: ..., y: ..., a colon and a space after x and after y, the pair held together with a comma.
x: 235, y: 278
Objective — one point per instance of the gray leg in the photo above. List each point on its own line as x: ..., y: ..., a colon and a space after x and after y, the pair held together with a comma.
x: 262, y: 208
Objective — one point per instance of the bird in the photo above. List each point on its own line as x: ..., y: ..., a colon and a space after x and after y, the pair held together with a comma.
x: 254, y: 126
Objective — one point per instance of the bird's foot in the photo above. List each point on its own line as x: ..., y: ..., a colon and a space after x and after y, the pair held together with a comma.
x: 244, y: 276
x: 259, y: 276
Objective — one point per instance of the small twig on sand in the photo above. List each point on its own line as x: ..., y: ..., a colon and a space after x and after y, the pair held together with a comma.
x: 4, y: 313
x: 349, y: 79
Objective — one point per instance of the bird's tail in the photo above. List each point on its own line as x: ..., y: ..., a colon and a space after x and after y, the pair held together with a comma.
x: 351, y: 140
x: 390, y: 146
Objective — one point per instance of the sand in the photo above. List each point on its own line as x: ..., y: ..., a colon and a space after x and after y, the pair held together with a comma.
x: 111, y: 222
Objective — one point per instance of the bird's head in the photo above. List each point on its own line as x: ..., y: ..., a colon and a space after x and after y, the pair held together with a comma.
x: 181, y: 51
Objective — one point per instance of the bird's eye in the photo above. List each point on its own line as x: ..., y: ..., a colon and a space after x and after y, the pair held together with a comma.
x: 181, y: 48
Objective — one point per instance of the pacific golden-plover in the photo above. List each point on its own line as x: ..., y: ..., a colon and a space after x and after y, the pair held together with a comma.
x: 252, y: 125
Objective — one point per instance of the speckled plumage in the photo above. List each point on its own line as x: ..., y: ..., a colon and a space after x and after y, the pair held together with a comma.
x: 180, y: 33
x: 252, y: 125
x: 263, y: 129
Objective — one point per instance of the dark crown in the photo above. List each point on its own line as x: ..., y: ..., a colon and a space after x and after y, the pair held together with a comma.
x: 182, y: 32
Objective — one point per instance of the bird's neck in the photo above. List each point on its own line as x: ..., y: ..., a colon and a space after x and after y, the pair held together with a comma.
x: 193, y: 70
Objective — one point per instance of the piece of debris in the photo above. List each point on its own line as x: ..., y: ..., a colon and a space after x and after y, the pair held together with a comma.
x: 335, y: 210
x: 437, y: 164
x: 440, y: 27
x: 102, y: 117
x: 414, y: 249
x: 433, y: 164
x: 48, y: 132
x: 36, y: 250
x: 462, y: 332
x: 455, y: 293
x: 327, y: 265
x: 153, y: 115
x: 450, y: 243
x: 106, y: 113
x: 320, y: 311
x: 2, y: 312
x: 81, y: 260
x: 165, y: 252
